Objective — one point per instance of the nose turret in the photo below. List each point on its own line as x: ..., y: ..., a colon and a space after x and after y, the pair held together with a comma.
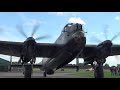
x: 79, y: 37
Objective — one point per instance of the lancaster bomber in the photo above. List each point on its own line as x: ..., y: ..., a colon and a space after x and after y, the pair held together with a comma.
x: 69, y: 45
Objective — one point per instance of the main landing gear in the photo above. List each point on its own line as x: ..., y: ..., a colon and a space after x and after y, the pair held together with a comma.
x: 28, y: 69
x: 44, y: 74
x: 98, y: 69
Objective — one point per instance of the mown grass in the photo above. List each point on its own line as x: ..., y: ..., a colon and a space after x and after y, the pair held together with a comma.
x: 83, y: 73
x: 89, y: 74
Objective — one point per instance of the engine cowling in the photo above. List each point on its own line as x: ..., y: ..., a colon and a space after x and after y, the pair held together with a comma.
x: 99, y: 53
x: 103, y: 50
x: 28, y: 51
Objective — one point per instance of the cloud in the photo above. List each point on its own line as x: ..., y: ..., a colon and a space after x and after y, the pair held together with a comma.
x: 111, y: 60
x: 73, y: 13
x: 76, y: 20
x: 117, y: 18
x: 22, y: 16
x: 65, y: 13
x: 1, y: 29
x: 117, y: 12
x: 97, y: 33
x: 58, y: 13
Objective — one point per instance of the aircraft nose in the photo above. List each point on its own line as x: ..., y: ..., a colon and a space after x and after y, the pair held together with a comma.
x: 83, y: 38
x: 80, y: 39
x: 79, y: 35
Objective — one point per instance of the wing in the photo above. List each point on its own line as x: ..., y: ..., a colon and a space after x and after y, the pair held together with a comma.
x: 42, y: 49
x: 89, y: 51
x: 47, y: 49
x: 34, y: 66
x: 115, y: 50
x: 10, y: 48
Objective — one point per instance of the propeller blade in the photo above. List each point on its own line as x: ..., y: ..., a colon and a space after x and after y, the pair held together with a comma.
x: 115, y: 36
x: 95, y: 39
x: 35, y: 29
x: 20, y: 29
x: 106, y: 32
x: 42, y: 37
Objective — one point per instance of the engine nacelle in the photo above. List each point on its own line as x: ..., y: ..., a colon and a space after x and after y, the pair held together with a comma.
x: 103, y: 50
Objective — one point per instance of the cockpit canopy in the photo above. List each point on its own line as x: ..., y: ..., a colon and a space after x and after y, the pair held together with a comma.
x: 72, y: 26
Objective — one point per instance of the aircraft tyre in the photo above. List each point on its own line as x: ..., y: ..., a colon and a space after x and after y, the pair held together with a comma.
x: 44, y: 74
x: 98, y: 71
x: 28, y: 71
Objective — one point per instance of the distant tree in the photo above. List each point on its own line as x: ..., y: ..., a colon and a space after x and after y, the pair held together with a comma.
x: 82, y: 66
x: 14, y: 63
x: 106, y: 66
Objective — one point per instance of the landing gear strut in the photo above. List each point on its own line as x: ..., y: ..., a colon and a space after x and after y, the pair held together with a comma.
x: 28, y: 68
x: 28, y: 71
x: 98, y: 68
x: 44, y: 74
x: 98, y: 71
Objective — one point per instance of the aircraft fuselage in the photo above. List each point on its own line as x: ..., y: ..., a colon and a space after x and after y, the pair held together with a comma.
x: 74, y: 42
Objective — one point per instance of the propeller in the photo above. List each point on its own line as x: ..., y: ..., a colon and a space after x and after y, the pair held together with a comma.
x: 106, y: 32
x: 35, y: 28
x: 114, y: 37
x: 42, y: 37
x: 95, y: 39
x: 20, y: 29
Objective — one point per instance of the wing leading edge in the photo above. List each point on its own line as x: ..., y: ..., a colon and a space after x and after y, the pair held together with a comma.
x: 42, y: 49
x: 115, y: 50
x: 89, y: 49
x: 10, y: 48
x: 46, y: 49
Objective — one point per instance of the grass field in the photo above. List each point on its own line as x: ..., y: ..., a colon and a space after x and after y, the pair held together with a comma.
x: 84, y: 73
